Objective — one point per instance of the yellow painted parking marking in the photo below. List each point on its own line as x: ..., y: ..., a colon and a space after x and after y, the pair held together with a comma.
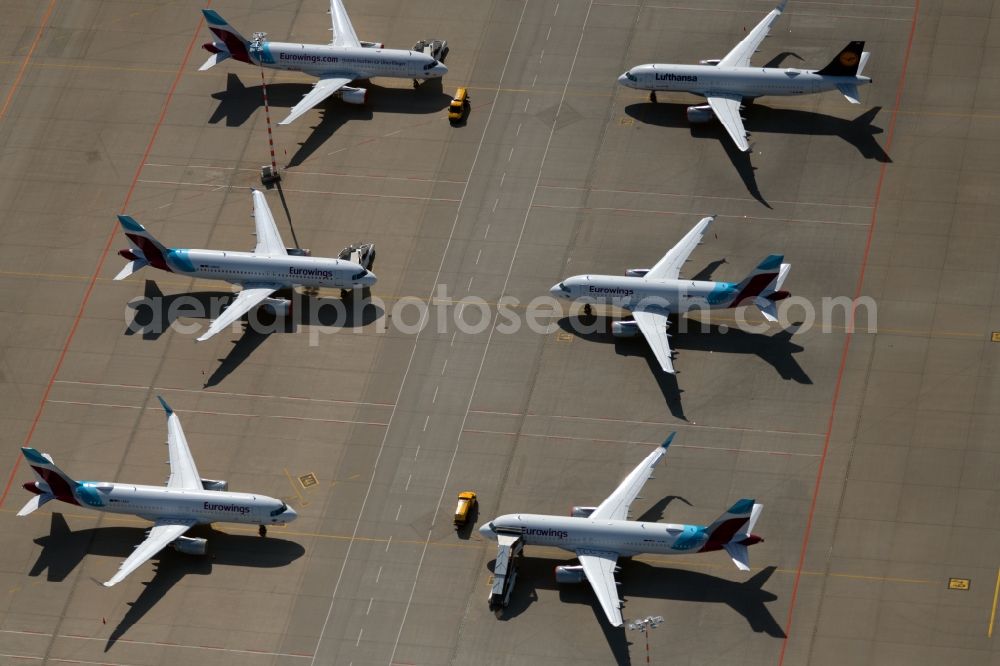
x: 958, y: 583
x: 563, y: 336
x: 995, y: 337
x: 308, y: 480
x: 302, y: 500
x: 993, y: 613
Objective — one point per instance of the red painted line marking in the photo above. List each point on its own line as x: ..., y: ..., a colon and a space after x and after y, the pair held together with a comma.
x: 27, y: 58
x: 100, y: 263
x: 848, y: 336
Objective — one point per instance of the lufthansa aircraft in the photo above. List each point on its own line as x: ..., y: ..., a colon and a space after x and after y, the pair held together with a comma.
x: 336, y: 64
x: 600, y: 535
x: 267, y: 269
x: 727, y: 82
x: 187, y: 500
x: 653, y: 294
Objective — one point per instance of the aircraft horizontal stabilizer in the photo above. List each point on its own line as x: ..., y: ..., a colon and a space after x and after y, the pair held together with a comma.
x: 213, y: 60
x: 850, y: 91
x: 741, y: 558
x: 131, y: 267
x: 34, y: 504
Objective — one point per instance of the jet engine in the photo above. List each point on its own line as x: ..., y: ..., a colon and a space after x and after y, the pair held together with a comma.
x: 582, y: 511
x: 215, y: 484
x: 372, y: 45
x: 700, y: 114
x: 353, y: 95
x: 190, y: 545
x: 570, y: 574
x: 625, y: 329
x: 713, y: 62
x: 279, y: 307
x: 636, y: 272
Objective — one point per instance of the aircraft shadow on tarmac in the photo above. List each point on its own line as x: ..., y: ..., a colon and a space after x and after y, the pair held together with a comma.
x: 155, y: 312
x: 777, y: 349
x: 63, y: 550
x: 859, y: 132
x: 639, y: 579
x: 238, y: 102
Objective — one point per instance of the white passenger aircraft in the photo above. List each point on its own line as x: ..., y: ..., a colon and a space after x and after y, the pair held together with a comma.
x: 336, y: 64
x: 727, y: 82
x: 653, y: 294
x: 187, y: 500
x: 600, y: 535
x: 267, y: 269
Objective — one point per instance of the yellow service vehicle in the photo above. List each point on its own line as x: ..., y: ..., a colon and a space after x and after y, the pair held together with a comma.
x: 459, y: 106
x: 466, y: 508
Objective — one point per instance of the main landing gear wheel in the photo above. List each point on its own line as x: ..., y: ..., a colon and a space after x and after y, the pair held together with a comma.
x: 652, y: 96
x: 587, y: 310
x: 262, y: 530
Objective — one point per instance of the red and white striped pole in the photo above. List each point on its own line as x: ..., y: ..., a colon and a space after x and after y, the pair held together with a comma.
x: 270, y: 140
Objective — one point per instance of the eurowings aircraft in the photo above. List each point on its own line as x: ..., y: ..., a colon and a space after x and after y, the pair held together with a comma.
x: 600, y: 535
x: 267, y: 269
x: 653, y: 294
x: 727, y: 82
x: 343, y: 60
x: 187, y: 500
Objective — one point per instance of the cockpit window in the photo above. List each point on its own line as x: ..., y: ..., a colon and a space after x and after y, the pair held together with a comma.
x: 631, y: 77
x: 431, y: 65
x: 563, y: 287
x: 280, y: 510
x: 358, y: 276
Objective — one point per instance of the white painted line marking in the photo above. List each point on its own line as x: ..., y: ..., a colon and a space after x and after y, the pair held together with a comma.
x: 454, y: 333
x: 399, y: 130
x: 426, y: 421
x: 518, y: 132
x: 548, y: 34
x: 378, y: 575
x: 399, y: 511
x: 526, y: 102
x: 511, y: 153
x: 417, y: 452
x: 469, y: 288
x: 495, y: 204
x: 435, y: 398
x: 358, y: 642
x: 486, y: 235
x: 502, y: 176
x: 534, y: 80
x: 557, y: 9
x: 370, y: 601
x: 445, y: 366
x: 408, y: 479
x: 388, y: 543
x: 541, y: 56
x: 478, y: 256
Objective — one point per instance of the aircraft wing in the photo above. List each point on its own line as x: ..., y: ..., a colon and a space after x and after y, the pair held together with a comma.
x: 727, y: 110
x: 165, y: 531
x: 343, y: 31
x: 247, y: 299
x: 322, y: 89
x: 615, y: 507
x: 653, y: 327
x: 183, y: 471
x: 742, y: 52
x: 669, y: 267
x: 268, y: 239
x: 600, y: 569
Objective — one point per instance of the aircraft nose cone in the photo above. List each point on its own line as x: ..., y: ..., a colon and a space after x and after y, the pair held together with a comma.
x: 623, y: 80
x: 369, y: 279
x: 486, y: 532
x: 290, y: 515
x: 440, y: 69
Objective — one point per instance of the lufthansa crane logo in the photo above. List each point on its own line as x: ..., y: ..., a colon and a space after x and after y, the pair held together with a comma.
x: 848, y: 59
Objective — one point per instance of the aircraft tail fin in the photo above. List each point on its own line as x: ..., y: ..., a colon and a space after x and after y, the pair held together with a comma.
x: 732, y: 531
x: 232, y: 43
x: 773, y: 293
x: 845, y: 63
x: 865, y: 55
x: 50, y: 481
x: 759, y: 281
x: 145, y: 250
